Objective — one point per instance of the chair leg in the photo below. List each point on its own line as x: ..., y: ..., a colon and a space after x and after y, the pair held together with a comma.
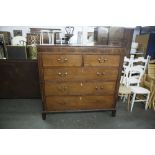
x: 124, y: 98
x: 147, y: 101
x: 132, y: 103
x: 129, y: 101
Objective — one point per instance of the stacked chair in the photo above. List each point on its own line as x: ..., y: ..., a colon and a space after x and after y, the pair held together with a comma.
x: 133, y: 71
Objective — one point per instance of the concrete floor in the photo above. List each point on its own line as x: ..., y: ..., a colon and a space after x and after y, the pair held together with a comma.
x: 26, y: 114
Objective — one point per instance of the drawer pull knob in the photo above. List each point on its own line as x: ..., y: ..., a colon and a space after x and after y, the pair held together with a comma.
x: 101, y: 87
x: 62, y: 74
x: 99, y: 74
x: 97, y: 88
x: 65, y: 59
x: 62, y: 60
x: 59, y: 74
x: 102, y: 60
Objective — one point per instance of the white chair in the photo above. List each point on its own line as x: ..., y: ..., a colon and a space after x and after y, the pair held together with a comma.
x: 133, y: 81
x: 127, y: 64
x: 125, y: 92
x: 141, y: 62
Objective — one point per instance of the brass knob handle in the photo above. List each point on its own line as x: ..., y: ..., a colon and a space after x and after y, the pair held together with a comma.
x: 97, y: 88
x: 62, y: 60
x: 102, y: 60
x: 99, y: 74
x: 59, y: 74
x: 62, y: 74
x: 65, y: 59
x: 101, y: 87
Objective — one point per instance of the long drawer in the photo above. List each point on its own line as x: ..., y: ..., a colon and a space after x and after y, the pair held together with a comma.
x: 79, y: 88
x: 77, y: 74
x: 61, y: 60
x: 101, y: 60
x: 62, y: 103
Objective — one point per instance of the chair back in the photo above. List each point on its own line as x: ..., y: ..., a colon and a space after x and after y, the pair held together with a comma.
x: 134, y: 76
x: 127, y: 62
x: 141, y: 62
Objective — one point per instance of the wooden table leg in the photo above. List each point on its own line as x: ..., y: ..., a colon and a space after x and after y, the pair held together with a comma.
x: 113, y: 113
x: 43, y: 116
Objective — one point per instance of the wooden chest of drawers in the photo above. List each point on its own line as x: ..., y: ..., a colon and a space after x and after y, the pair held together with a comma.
x: 79, y: 78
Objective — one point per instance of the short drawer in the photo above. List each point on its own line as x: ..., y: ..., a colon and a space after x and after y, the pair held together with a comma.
x: 61, y: 60
x: 79, y: 88
x: 101, y: 60
x: 77, y: 74
x: 69, y: 103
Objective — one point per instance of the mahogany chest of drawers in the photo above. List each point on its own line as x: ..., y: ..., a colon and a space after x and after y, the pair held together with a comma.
x: 79, y: 78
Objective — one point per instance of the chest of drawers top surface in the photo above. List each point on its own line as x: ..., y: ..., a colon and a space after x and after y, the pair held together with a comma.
x: 80, y: 49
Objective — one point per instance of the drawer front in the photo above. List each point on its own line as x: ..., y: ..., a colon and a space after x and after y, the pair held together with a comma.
x: 66, y: 103
x: 77, y: 74
x: 101, y: 60
x: 79, y: 88
x: 61, y: 60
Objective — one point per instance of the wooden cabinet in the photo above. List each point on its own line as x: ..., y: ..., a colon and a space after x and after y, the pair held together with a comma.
x: 146, y: 44
x: 79, y: 78
x: 114, y: 36
x: 19, y: 79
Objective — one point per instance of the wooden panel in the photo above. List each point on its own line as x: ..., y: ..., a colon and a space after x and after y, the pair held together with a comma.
x: 116, y: 33
x: 101, y: 60
x: 142, y: 41
x: 128, y: 36
x: 79, y: 88
x: 61, y: 60
x: 66, y: 103
x: 77, y: 74
x: 19, y: 79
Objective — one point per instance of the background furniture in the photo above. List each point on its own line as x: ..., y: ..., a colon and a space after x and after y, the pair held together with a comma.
x: 116, y: 36
x: 146, y: 44
x: 78, y: 78
x: 16, y: 52
x: 19, y: 79
x: 33, y: 38
x: 149, y: 83
x: 7, y: 37
x: 37, y: 31
x: 2, y: 47
x: 151, y: 69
